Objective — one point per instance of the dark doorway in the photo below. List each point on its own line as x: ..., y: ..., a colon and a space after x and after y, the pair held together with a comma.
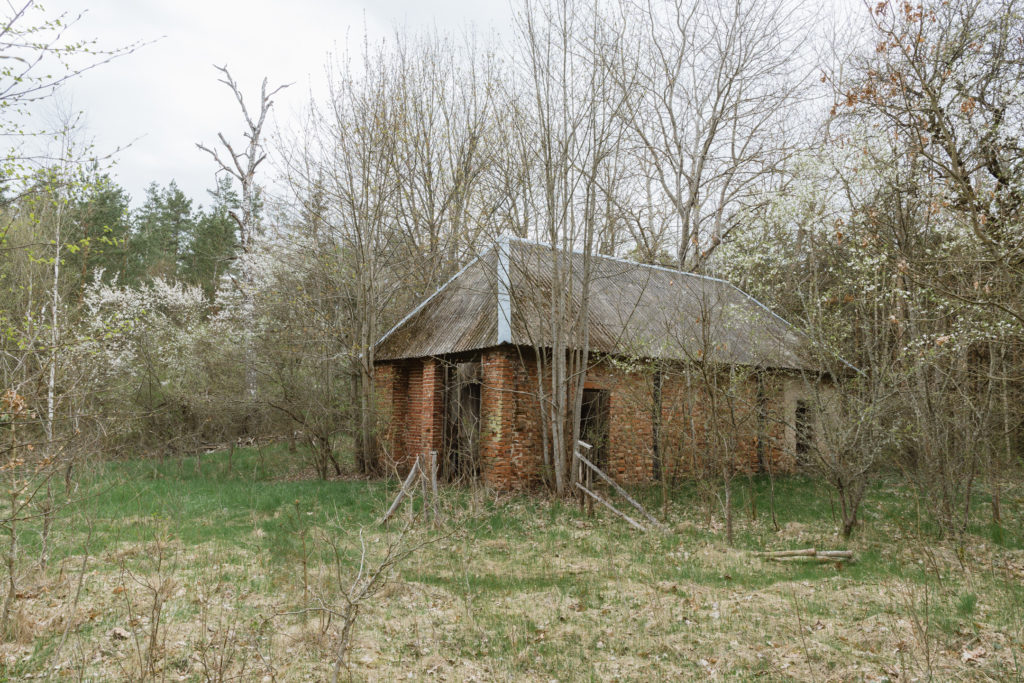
x: 594, y: 423
x: 804, y: 427
x: 462, y: 423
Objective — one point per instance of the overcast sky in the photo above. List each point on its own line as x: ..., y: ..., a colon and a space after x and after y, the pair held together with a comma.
x: 165, y: 97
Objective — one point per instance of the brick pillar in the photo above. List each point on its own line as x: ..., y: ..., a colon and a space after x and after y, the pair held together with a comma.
x: 431, y: 408
x: 497, y: 414
x: 408, y: 426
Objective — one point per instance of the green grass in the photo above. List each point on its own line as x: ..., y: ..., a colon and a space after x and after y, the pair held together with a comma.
x: 524, y: 587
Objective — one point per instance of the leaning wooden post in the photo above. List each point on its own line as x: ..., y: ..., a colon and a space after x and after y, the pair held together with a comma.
x: 433, y: 485
x: 590, y: 487
x: 402, y: 493
x: 578, y: 466
x: 621, y: 491
x: 582, y: 476
x: 632, y: 522
x: 424, y: 476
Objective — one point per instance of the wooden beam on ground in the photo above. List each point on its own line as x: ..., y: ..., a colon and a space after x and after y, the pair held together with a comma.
x: 806, y: 554
x: 632, y: 522
x: 818, y: 559
x: 433, y: 486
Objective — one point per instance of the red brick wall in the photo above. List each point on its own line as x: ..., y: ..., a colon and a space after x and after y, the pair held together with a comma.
x: 692, y: 437
x: 528, y: 450
x: 498, y: 445
x: 430, y: 407
x: 411, y: 402
x: 511, y: 443
x: 630, y: 429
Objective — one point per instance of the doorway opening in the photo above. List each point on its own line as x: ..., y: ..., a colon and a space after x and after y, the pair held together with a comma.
x: 461, y: 461
x: 594, y: 424
x: 804, y: 427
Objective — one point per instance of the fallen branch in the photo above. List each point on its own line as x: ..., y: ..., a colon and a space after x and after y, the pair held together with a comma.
x: 811, y: 559
x: 809, y: 552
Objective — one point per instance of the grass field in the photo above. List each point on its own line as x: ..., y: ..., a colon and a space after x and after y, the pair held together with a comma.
x: 193, y: 570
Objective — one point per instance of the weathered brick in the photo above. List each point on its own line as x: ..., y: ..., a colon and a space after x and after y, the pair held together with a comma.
x: 511, y: 444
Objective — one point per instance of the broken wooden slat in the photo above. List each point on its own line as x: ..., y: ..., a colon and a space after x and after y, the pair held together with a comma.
x: 621, y: 491
x: 402, y: 493
x: 635, y: 524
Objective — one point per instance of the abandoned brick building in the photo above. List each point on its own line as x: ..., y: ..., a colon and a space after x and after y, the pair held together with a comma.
x: 458, y: 375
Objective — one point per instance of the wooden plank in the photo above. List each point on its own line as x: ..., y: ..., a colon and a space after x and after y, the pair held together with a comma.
x: 632, y: 522
x: 586, y: 503
x: 424, y: 477
x: 807, y: 554
x: 402, y: 493
x: 621, y: 491
x: 811, y: 559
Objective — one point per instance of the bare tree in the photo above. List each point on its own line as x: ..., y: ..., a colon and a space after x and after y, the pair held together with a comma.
x: 344, y: 178
x: 572, y: 118
x: 711, y: 87
x: 241, y: 164
x: 940, y: 89
x: 445, y: 107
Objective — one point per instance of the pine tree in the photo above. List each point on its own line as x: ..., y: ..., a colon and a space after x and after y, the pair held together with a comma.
x: 162, y: 232
x: 100, y: 224
x: 213, y: 242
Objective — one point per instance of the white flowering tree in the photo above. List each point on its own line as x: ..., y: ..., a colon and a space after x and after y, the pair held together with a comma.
x: 897, y: 248
x: 144, y: 350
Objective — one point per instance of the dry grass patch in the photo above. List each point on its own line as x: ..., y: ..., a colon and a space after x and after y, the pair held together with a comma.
x: 514, y: 589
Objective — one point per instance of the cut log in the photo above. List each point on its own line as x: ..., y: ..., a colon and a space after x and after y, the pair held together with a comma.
x: 818, y: 559
x: 632, y: 522
x: 806, y: 554
x: 402, y: 493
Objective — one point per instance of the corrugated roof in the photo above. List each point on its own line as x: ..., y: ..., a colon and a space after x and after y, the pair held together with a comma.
x: 635, y: 310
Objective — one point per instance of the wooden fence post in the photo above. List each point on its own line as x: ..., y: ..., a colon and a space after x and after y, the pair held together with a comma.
x: 433, y: 486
